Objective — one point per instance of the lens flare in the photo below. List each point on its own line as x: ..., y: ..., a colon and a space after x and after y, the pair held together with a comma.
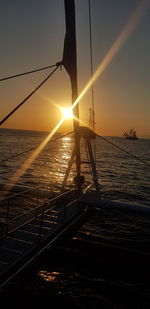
x: 67, y: 113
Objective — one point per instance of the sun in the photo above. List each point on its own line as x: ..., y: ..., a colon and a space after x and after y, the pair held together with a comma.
x: 67, y: 113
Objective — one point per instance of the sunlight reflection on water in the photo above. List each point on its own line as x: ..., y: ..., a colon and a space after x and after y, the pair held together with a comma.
x: 120, y: 176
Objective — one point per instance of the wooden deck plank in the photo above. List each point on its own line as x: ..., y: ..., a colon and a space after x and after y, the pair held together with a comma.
x: 24, y: 235
x: 17, y: 244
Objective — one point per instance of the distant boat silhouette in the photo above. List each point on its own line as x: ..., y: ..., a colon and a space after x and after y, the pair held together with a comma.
x: 131, y: 134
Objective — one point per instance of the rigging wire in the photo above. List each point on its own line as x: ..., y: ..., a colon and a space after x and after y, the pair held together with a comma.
x: 120, y: 148
x: 93, y: 103
x: 30, y: 149
x: 91, y: 62
x: 88, y: 158
x: 31, y: 93
x: 26, y: 73
x: 92, y: 110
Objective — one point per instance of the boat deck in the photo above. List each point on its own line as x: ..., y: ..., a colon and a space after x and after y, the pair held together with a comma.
x: 27, y: 235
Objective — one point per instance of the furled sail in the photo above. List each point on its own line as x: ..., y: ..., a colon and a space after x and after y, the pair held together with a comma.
x: 70, y: 64
x: 69, y: 54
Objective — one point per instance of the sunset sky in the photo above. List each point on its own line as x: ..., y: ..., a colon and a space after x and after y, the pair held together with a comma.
x: 32, y: 36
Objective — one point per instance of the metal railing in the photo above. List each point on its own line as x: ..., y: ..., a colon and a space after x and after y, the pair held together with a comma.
x: 60, y: 203
x: 63, y: 204
x: 21, y: 202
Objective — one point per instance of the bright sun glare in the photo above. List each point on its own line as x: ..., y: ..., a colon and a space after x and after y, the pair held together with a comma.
x: 67, y: 113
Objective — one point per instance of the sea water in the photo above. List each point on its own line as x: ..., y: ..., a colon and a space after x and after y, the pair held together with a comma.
x: 73, y: 274
x: 121, y: 177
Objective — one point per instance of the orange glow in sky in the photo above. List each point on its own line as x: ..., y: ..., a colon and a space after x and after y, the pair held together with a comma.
x: 118, y: 94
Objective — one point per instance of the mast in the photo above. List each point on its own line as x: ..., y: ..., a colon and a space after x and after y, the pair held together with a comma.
x: 70, y: 64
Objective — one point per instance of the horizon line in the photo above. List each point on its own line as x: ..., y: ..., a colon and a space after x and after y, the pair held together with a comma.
x: 65, y: 131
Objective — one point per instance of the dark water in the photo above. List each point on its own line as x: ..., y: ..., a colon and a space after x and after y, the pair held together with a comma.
x: 77, y: 273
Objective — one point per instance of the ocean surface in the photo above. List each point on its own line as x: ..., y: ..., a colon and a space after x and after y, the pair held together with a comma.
x: 74, y: 274
x: 120, y: 176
